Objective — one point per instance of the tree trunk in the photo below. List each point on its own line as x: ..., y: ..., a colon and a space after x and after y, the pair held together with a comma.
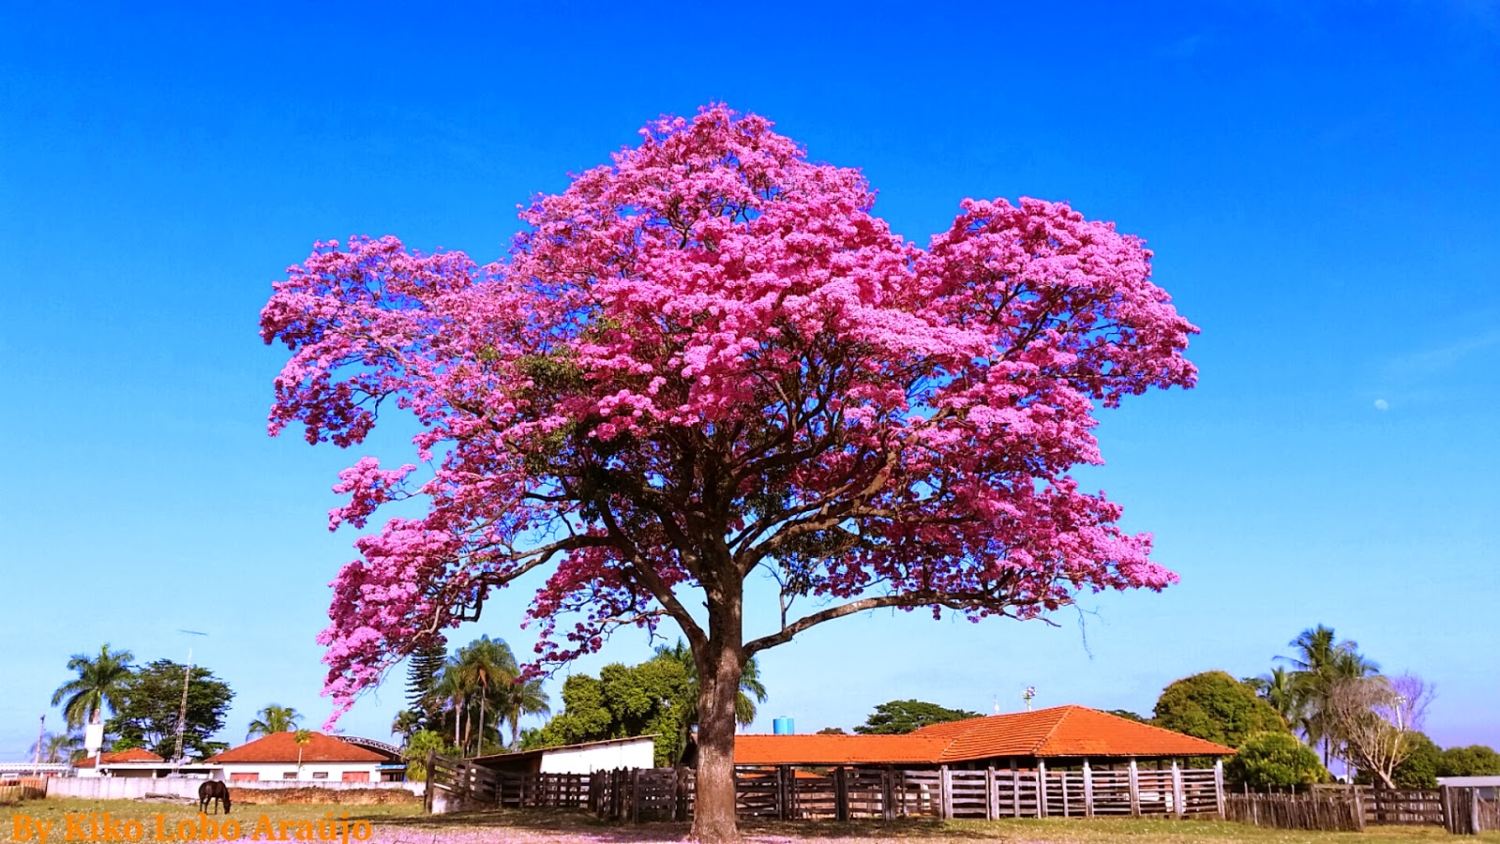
x: 720, y: 666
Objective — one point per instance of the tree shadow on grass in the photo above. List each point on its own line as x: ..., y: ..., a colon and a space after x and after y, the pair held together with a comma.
x: 580, y: 826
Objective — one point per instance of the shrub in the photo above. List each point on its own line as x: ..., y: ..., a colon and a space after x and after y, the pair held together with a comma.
x: 1275, y: 759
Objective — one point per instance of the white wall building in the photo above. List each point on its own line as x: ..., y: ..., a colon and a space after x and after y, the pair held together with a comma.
x: 585, y: 758
x: 322, y: 758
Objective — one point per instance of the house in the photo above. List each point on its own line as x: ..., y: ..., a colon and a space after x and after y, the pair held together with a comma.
x: 1061, y: 737
x: 584, y: 758
x: 322, y: 758
x: 135, y: 762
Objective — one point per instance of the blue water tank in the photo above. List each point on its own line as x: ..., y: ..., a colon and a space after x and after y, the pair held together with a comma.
x: 783, y: 726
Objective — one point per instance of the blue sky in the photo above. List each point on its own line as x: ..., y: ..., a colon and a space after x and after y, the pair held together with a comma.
x: 1320, y: 182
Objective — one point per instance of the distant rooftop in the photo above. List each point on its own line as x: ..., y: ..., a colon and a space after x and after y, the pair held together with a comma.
x: 1057, y: 732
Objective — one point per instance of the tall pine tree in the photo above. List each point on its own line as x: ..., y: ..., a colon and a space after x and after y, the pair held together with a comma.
x: 422, y: 672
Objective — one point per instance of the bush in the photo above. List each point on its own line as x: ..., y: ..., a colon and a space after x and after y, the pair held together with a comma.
x: 1275, y: 760
x: 1216, y: 707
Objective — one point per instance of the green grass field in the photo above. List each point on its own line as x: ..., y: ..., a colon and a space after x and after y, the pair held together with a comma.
x: 405, y: 824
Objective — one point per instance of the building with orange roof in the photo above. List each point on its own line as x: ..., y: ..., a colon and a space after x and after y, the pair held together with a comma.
x: 1065, y: 735
x: 280, y: 757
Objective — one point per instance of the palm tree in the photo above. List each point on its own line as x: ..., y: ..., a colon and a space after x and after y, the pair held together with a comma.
x: 273, y: 719
x: 751, y: 692
x: 484, y: 666
x: 1281, y: 690
x: 406, y: 723
x: 520, y: 698
x: 453, y: 690
x: 100, y: 683
x: 302, y: 738
x: 58, y: 747
x: 1321, y: 660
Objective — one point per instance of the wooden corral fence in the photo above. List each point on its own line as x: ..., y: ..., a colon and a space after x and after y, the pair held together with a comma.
x: 850, y: 793
x: 1352, y: 808
x: 24, y: 788
x: 1319, y: 810
x: 467, y: 783
x: 1466, y: 813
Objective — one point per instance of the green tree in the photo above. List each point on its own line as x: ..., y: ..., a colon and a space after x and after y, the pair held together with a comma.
x: 832, y: 731
x: 1321, y: 661
x: 1275, y: 760
x: 149, y: 704
x: 1129, y: 715
x: 418, y: 746
x: 623, y: 701
x: 1216, y: 707
x: 1472, y: 761
x: 482, y: 668
x: 751, y: 692
x: 904, y: 716
x: 406, y: 724
x: 274, y: 718
x: 518, y: 699
x: 1284, y: 693
x: 99, y: 685
x: 1420, y: 768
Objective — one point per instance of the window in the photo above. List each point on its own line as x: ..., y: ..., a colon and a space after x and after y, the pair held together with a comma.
x: 289, y: 775
x: 320, y: 775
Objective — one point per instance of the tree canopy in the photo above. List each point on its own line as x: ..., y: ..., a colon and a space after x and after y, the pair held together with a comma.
x: 97, y: 687
x: 147, y: 714
x: 707, y: 360
x: 903, y: 716
x: 1472, y: 761
x: 1217, y: 707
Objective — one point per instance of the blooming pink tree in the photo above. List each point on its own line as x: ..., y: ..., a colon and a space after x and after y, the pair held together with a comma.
x: 708, y: 359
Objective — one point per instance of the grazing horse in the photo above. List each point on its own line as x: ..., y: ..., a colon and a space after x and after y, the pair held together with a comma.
x: 214, y: 792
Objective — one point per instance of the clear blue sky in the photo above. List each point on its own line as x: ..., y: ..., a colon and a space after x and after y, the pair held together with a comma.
x: 1321, y: 186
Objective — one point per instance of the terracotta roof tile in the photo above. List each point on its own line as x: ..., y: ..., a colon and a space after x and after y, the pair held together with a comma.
x: 282, y: 747
x: 835, y: 749
x: 134, y: 754
x: 1061, y: 731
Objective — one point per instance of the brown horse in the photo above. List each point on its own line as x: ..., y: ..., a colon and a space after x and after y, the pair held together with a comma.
x: 214, y: 792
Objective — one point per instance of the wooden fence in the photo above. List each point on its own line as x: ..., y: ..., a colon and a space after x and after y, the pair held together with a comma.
x: 1351, y: 808
x: 467, y: 783
x: 1317, y: 810
x: 849, y: 793
x: 14, y: 790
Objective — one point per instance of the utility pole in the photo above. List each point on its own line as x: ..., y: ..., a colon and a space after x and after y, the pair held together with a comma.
x: 41, y: 733
x: 187, y: 676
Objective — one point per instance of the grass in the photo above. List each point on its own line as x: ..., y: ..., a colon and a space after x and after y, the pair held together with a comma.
x: 405, y: 824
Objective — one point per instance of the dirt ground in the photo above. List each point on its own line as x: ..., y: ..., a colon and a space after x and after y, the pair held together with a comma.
x: 404, y: 824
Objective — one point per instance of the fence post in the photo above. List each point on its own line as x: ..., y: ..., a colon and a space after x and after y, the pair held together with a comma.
x: 1135, y: 789
x: 1041, y: 788
x: 1088, y: 790
x: 945, y: 793
x: 427, y: 792
x: 1015, y: 790
x: 888, y: 794
x: 991, y: 794
x: 1179, y: 802
x: 1219, y: 786
x: 840, y: 794
x: 635, y: 795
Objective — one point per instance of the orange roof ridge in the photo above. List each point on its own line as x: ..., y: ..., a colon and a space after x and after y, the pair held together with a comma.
x: 283, y: 747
